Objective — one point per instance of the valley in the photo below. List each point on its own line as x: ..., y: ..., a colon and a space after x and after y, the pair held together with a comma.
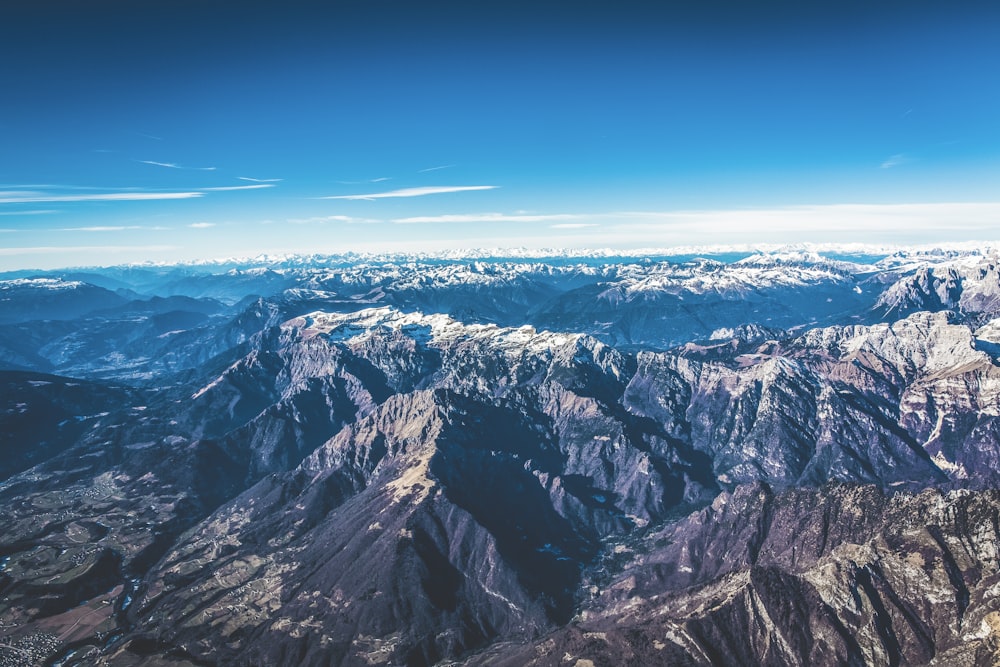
x: 772, y: 458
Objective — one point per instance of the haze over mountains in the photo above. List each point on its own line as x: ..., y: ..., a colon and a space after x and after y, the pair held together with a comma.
x: 764, y: 458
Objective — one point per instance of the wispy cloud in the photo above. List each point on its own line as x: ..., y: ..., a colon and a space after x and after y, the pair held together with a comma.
x: 380, y: 179
x: 148, y: 136
x: 41, y: 197
x: 201, y: 225
x: 824, y: 223
x: 574, y: 225
x: 105, y: 228
x: 47, y: 186
x: 21, y: 193
x: 260, y: 180
x: 415, y: 192
x: 444, y: 166
x: 53, y: 250
x: 319, y: 220
x: 801, y: 222
x: 174, y: 165
x: 894, y: 161
x: 226, y: 188
x: 59, y: 194
x: 484, y: 217
x: 40, y: 212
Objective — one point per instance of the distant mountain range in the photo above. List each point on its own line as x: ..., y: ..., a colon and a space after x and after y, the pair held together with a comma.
x: 787, y: 457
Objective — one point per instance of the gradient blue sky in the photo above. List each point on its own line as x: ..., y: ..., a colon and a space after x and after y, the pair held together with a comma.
x: 153, y: 130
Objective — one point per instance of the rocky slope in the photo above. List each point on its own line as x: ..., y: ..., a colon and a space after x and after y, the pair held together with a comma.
x: 844, y: 575
x: 600, y: 470
x: 327, y: 476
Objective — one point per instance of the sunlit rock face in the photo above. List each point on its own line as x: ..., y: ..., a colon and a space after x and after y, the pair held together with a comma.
x: 785, y: 460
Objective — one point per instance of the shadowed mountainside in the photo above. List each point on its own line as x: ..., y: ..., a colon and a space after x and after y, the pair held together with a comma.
x: 369, y: 484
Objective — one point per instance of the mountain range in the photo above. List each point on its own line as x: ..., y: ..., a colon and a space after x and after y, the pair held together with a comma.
x: 786, y: 457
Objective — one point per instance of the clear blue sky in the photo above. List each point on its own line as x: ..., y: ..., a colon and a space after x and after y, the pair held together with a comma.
x: 174, y: 130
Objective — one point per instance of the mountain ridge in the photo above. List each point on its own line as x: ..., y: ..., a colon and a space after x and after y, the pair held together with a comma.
x: 381, y: 474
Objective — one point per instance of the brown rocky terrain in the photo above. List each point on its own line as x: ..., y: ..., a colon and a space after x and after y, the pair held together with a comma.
x: 376, y: 485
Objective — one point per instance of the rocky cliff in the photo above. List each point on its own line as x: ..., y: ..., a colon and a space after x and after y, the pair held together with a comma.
x: 377, y: 484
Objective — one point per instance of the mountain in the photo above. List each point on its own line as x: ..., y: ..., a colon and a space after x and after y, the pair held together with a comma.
x: 648, y: 304
x: 837, y: 576
x: 43, y: 415
x: 25, y: 299
x: 511, y: 462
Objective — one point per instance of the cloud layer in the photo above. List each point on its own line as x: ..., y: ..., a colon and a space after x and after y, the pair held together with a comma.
x: 41, y: 197
x: 415, y: 192
x: 484, y: 217
x: 800, y: 221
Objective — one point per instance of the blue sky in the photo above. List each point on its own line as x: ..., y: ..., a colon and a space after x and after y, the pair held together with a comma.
x: 160, y: 131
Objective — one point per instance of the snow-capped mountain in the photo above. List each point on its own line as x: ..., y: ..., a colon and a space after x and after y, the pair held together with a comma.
x: 787, y: 457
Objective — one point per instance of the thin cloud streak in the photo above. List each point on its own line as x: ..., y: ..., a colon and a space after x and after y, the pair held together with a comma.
x: 174, y: 165
x: 367, y: 180
x: 573, y: 225
x: 346, y: 219
x: 483, y: 217
x: 415, y: 192
x: 44, y: 212
x: 22, y: 193
x: 201, y: 225
x: 227, y: 188
x: 444, y: 166
x: 168, y: 165
x: 106, y: 228
x: 51, y: 250
x: 260, y: 180
x: 38, y: 197
x: 47, y: 186
x: 894, y: 161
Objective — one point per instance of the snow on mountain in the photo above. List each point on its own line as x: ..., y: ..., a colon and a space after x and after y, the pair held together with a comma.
x: 969, y: 283
x: 39, y: 283
x: 754, y: 273
x: 919, y: 345
x: 53, y: 298
x: 433, y: 329
x: 507, y: 461
x: 888, y: 255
